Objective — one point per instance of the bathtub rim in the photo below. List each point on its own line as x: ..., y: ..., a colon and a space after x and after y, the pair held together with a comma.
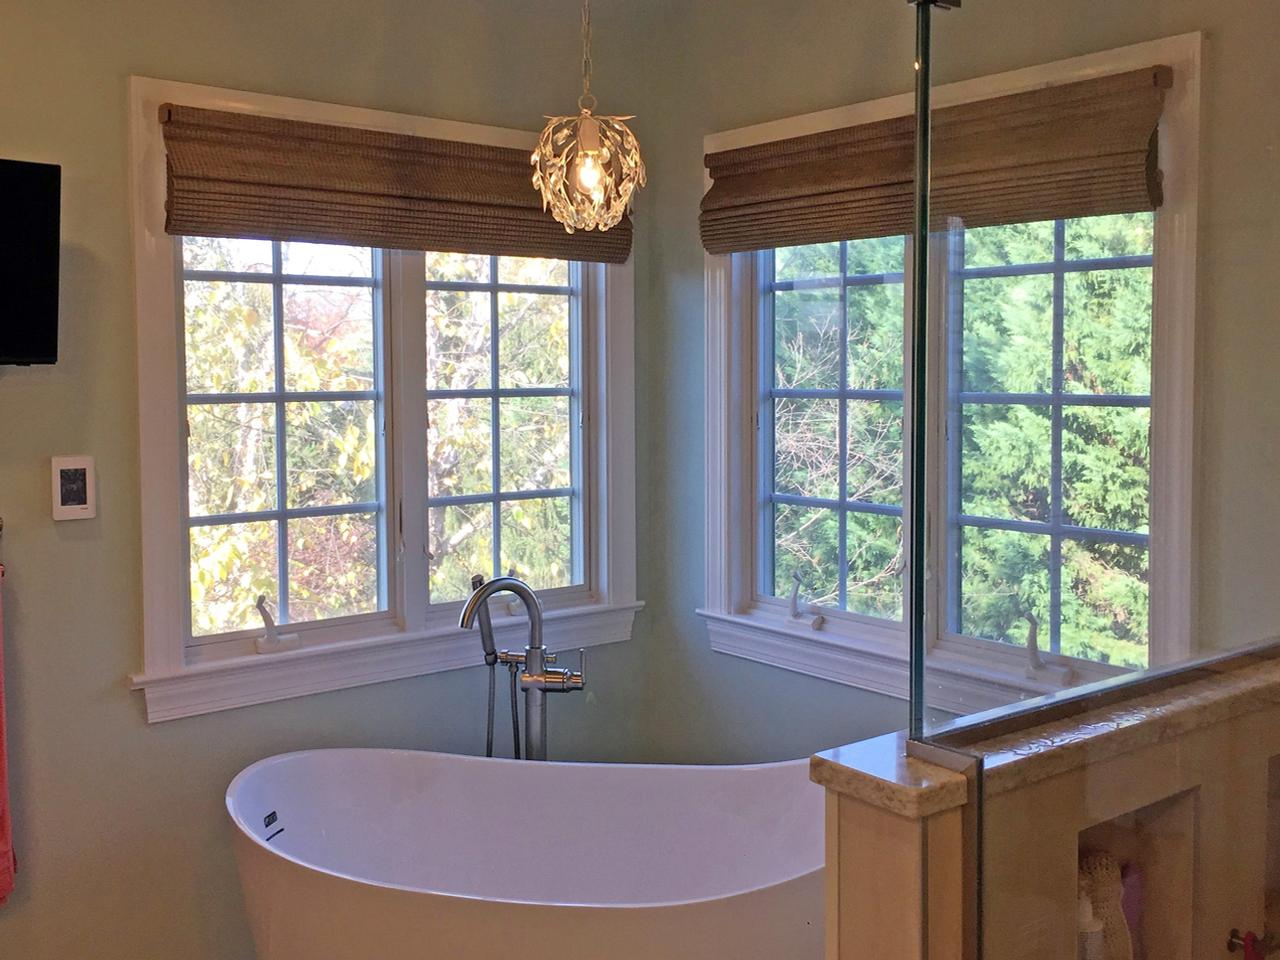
x: 251, y: 836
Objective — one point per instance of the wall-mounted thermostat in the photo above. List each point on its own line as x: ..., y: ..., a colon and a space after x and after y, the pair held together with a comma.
x: 75, y: 496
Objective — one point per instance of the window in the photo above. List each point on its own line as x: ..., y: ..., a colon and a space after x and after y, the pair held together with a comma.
x: 831, y: 438
x: 1045, y: 466
x: 352, y: 433
x: 1062, y: 373
x: 1049, y: 478
x: 286, y: 428
x: 1048, y: 358
x: 503, y: 438
x: 285, y: 414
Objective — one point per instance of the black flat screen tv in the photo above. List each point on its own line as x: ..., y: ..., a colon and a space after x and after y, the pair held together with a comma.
x: 30, y: 218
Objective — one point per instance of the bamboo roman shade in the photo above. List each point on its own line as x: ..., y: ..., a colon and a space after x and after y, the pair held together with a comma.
x: 1080, y: 149
x: 242, y: 175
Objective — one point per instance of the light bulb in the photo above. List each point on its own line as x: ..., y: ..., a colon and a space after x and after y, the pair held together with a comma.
x: 589, y: 173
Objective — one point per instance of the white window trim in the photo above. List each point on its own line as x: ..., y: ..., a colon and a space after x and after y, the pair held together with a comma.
x: 405, y: 642
x: 964, y: 675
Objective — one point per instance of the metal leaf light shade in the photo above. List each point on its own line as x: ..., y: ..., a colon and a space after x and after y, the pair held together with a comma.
x: 587, y: 167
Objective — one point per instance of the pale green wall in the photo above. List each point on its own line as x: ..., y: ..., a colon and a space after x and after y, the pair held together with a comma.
x: 729, y: 63
x: 123, y: 842
x: 124, y: 845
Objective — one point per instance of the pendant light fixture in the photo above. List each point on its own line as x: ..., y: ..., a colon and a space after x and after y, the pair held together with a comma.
x: 587, y: 167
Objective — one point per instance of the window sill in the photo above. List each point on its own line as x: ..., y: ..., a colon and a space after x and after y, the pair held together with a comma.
x: 240, y: 681
x: 964, y: 677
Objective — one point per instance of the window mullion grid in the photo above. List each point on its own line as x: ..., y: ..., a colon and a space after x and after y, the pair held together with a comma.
x: 765, y: 426
x: 1056, y: 512
x: 293, y: 513
x: 282, y: 523
x: 494, y: 393
x: 380, y: 378
x: 507, y: 496
x: 853, y: 506
x: 577, y: 425
x: 954, y: 429
x: 494, y: 421
x: 842, y: 438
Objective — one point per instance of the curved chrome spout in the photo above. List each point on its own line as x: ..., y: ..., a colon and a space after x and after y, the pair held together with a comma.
x: 532, y: 605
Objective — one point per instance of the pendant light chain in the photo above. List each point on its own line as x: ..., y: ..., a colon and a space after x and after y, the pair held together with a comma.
x: 586, y: 100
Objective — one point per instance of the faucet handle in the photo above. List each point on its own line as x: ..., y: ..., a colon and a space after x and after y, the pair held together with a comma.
x: 559, y: 680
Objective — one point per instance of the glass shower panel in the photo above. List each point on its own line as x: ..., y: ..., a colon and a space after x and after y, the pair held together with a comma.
x: 1101, y: 642
x: 1062, y: 394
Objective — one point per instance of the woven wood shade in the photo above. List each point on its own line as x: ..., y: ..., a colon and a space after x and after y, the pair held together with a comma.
x: 1075, y: 150
x: 240, y: 175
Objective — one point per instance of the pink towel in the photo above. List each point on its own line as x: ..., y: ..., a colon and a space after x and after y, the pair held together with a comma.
x: 8, y: 860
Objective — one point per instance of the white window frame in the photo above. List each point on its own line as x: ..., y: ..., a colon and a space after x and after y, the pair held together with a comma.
x: 964, y: 675
x: 411, y: 638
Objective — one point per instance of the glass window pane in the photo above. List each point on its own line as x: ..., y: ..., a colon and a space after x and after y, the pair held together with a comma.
x: 1005, y: 461
x: 326, y: 260
x: 1118, y: 235
x: 533, y: 340
x: 1009, y: 244
x: 231, y: 458
x: 457, y: 268
x: 231, y: 566
x: 806, y: 447
x: 806, y: 338
x: 226, y: 255
x: 874, y: 447
x: 333, y: 566
x: 460, y: 540
x: 537, y: 541
x: 814, y: 261
x: 230, y: 340
x: 328, y: 338
x: 459, y: 447
x: 533, y: 272
x: 874, y: 552
x: 1107, y: 331
x: 875, y: 337
x: 1106, y: 467
x: 331, y: 451
x: 877, y: 255
x: 806, y: 543
x: 535, y: 443
x: 1105, y: 602
x: 458, y: 333
x: 1008, y: 334
x: 1004, y: 586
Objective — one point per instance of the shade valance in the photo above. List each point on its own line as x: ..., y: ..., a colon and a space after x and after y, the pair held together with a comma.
x: 1078, y: 149
x: 244, y: 175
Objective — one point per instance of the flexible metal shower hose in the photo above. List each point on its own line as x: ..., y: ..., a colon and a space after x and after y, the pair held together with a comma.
x: 488, y: 735
x: 515, y: 713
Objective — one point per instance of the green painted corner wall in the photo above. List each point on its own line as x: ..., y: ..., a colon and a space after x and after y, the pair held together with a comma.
x: 124, y: 845
x: 730, y: 63
x: 123, y: 842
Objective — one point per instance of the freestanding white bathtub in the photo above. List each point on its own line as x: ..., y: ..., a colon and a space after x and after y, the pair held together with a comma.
x: 398, y: 854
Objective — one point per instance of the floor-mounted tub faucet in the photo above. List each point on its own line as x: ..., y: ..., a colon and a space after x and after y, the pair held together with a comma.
x: 537, y: 679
